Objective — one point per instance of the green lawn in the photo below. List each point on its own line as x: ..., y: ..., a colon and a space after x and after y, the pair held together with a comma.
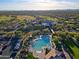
x: 74, y: 48
x: 30, y: 56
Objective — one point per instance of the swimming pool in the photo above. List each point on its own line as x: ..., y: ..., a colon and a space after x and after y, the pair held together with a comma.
x: 42, y: 41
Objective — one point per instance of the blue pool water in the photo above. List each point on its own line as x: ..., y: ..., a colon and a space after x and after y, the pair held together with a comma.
x: 41, y: 42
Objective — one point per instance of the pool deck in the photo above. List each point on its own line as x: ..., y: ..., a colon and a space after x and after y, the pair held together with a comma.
x: 41, y: 54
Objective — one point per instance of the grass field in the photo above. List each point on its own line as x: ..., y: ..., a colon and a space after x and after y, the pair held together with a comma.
x: 74, y: 48
x: 5, y: 18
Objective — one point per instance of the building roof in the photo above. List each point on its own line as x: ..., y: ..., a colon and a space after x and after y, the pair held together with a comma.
x: 51, y: 53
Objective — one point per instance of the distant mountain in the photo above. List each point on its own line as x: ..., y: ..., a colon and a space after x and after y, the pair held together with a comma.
x: 41, y: 12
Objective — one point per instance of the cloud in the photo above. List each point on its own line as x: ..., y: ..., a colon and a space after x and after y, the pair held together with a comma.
x: 40, y: 5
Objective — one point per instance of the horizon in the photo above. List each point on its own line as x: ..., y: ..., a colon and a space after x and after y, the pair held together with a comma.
x: 43, y: 10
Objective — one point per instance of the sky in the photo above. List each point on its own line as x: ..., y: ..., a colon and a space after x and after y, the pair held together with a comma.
x: 38, y: 4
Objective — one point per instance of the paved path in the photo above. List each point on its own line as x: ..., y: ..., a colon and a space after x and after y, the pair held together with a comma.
x: 66, y: 54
